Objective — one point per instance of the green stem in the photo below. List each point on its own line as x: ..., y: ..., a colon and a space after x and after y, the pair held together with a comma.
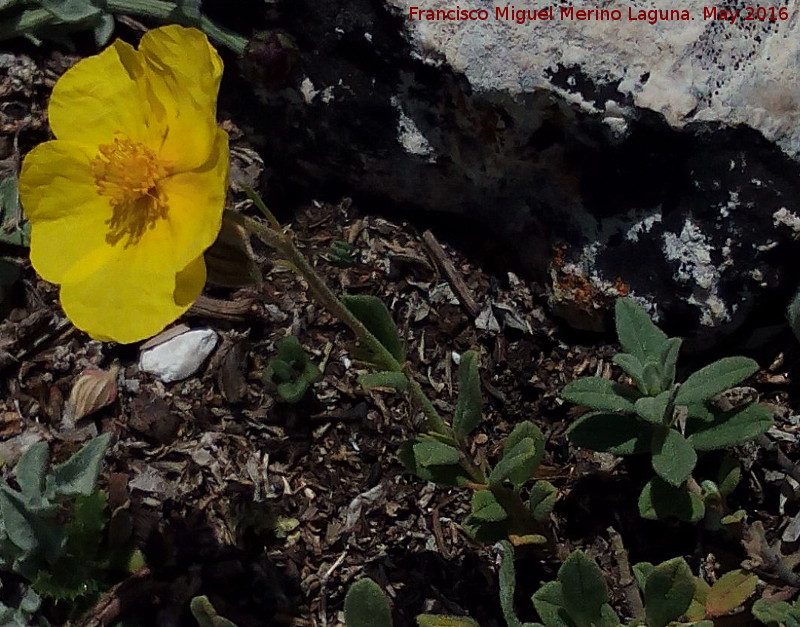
x: 276, y: 239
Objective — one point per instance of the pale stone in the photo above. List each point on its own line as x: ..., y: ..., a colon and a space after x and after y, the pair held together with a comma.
x: 178, y: 357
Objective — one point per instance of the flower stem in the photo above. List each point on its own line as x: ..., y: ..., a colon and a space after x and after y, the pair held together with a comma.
x: 275, y: 238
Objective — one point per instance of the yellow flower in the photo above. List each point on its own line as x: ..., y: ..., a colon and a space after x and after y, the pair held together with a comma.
x: 125, y: 201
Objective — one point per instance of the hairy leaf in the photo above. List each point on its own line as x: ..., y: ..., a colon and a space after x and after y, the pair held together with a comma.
x: 542, y: 500
x: 485, y: 507
x: 668, y: 592
x: 637, y: 333
x: 469, y: 405
x: 697, y: 608
x: 71, y: 11
x: 205, y: 614
x: 653, y: 408
x: 366, y: 605
x: 549, y: 604
x: 373, y: 314
x: 435, y: 453
x: 508, y: 582
x: 673, y: 457
x: 669, y: 358
x: 613, y: 433
x: 79, y: 473
x: 517, y: 464
x: 652, y: 377
x: 599, y: 393
x: 717, y: 377
x: 734, y: 427
x: 659, y: 500
x: 397, y: 381
x: 729, y: 475
x: 633, y: 368
x: 30, y: 469
x: 453, y: 475
x: 583, y: 589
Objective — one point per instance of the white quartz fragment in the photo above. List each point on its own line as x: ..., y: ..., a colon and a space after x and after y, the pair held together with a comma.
x: 178, y: 357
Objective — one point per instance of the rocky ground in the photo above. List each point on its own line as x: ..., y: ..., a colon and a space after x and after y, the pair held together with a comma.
x: 274, y: 510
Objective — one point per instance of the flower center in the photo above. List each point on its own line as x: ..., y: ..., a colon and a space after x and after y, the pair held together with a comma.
x: 128, y: 172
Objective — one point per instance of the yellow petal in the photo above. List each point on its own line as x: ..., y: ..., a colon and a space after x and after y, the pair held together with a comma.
x: 124, y: 297
x: 59, y: 197
x: 196, y: 201
x: 183, y: 76
x: 98, y: 97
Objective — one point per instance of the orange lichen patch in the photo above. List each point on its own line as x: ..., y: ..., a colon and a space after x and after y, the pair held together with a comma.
x: 621, y: 287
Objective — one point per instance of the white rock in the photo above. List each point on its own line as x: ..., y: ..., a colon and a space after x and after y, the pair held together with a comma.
x: 179, y: 357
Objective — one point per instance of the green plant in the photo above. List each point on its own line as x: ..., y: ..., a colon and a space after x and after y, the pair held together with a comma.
x: 53, y: 19
x: 669, y: 421
x: 341, y: 254
x: 23, y: 614
x: 205, y: 614
x: 366, y: 605
x: 50, y: 527
x: 777, y: 613
x: 290, y: 372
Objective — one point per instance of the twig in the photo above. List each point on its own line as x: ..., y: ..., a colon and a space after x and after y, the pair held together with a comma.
x: 123, y: 596
x: 460, y: 288
x: 323, y: 582
x: 626, y: 579
x: 234, y: 310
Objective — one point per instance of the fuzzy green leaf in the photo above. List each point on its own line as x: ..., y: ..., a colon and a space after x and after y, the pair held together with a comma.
x: 730, y: 428
x: 508, y: 582
x: 396, y: 381
x: 652, y: 377
x: 775, y: 613
x: 542, y: 500
x: 549, y: 603
x: 613, y: 433
x: 517, y: 464
x: 659, y: 500
x: 669, y: 358
x: 599, y: 393
x: 641, y: 572
x: 366, y: 605
x: 697, y: 608
x: 633, y: 368
x: 637, y: 333
x: 525, y: 429
x: 485, y: 507
x: 470, y: 403
x: 729, y: 475
x: 373, y: 314
x: 71, y: 11
x: 583, y: 589
x: 453, y: 474
x: 30, y: 469
x: 673, y: 457
x: 292, y: 391
x: 668, y: 592
x: 729, y: 592
x: 435, y: 453
x: 78, y: 474
x: 717, y: 377
x: 205, y: 614
x: 653, y: 408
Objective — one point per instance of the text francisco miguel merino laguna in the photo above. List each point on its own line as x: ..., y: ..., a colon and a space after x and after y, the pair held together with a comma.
x: 520, y: 16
